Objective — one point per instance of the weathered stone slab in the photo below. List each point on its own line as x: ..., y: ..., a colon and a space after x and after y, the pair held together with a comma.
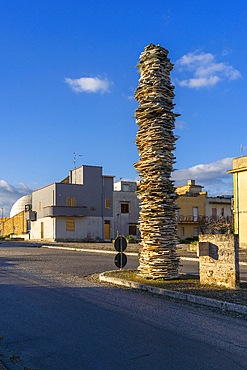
x: 155, y: 141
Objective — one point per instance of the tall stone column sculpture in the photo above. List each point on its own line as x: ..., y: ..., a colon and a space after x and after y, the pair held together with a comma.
x: 155, y: 141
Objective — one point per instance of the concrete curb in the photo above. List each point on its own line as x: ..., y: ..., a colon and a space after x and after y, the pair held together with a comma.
x: 195, y: 259
x: 88, y: 250
x: 224, y: 306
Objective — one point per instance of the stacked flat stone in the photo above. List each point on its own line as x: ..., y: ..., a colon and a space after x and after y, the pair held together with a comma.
x: 155, y: 141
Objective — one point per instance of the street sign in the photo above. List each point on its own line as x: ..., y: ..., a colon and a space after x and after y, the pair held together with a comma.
x: 120, y: 260
x: 120, y: 244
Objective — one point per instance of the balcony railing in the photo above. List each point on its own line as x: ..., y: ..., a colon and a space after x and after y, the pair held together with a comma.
x: 191, y: 218
x: 58, y: 211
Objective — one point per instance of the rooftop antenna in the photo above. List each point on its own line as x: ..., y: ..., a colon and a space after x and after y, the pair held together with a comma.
x: 74, y: 159
x: 242, y: 148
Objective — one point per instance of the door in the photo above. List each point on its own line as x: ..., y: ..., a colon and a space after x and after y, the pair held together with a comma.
x: 107, y: 233
x: 42, y: 230
x: 214, y: 214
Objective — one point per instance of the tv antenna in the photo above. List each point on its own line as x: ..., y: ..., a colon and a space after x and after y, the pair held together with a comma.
x: 74, y: 159
x: 242, y: 148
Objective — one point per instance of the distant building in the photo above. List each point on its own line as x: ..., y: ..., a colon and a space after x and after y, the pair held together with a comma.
x: 239, y: 171
x: 22, y: 204
x: 80, y: 208
x: 220, y: 207
x: 195, y: 207
x: 191, y: 203
x: 126, y: 208
x: 87, y: 206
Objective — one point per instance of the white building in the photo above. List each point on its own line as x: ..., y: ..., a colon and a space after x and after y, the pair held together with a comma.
x: 126, y: 208
x: 80, y: 208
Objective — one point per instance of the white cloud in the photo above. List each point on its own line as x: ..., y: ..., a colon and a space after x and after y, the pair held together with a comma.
x: 88, y: 84
x: 212, y: 176
x: 179, y: 124
x: 9, y: 195
x: 204, y: 69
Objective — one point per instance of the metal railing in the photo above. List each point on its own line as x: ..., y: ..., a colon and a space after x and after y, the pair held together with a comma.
x: 191, y: 218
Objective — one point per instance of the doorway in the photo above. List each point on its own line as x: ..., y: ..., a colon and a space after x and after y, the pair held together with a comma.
x: 107, y: 230
x: 42, y: 230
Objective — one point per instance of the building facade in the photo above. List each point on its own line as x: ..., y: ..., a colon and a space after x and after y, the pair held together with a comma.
x: 80, y: 208
x: 197, y: 210
x: 239, y: 171
x: 126, y: 209
x: 86, y: 207
x: 191, y: 203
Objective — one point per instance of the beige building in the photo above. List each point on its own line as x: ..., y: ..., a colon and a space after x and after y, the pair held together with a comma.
x: 192, y: 205
x: 196, y: 208
x: 239, y: 171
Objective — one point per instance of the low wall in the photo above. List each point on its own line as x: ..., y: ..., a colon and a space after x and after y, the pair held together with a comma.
x: 14, y: 225
x: 219, y: 260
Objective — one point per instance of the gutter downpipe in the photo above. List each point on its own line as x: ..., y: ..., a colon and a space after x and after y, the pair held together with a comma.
x: 102, y: 213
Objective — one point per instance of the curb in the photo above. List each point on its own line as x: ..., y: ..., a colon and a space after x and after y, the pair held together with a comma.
x: 87, y: 250
x: 194, y: 259
x: 224, y: 306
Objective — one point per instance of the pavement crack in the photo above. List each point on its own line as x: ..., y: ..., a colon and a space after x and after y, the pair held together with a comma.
x: 138, y: 357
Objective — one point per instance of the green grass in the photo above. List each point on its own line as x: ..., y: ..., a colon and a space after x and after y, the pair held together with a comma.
x: 132, y: 275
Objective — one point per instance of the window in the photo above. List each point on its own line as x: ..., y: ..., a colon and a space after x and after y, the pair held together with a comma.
x: 195, y: 213
x: 222, y: 212
x: 182, y: 231
x: 124, y: 208
x: 107, y: 203
x: 214, y: 214
x: 132, y: 230
x: 70, y: 224
x: 196, y: 231
x: 70, y: 202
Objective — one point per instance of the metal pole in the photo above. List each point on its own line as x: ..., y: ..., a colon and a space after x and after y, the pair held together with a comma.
x: 117, y: 223
x: 2, y: 222
x: 121, y: 253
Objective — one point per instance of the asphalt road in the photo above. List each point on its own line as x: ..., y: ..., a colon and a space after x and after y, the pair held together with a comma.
x: 53, y: 317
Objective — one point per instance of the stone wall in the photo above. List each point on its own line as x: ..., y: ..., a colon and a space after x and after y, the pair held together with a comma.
x: 218, y: 260
x: 14, y: 225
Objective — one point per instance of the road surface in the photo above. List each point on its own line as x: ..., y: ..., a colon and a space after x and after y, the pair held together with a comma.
x: 54, y: 317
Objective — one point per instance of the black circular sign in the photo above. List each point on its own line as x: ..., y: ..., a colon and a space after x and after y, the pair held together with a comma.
x: 120, y: 260
x: 120, y: 244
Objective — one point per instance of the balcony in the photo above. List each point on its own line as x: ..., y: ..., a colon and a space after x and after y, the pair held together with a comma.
x: 197, y: 219
x: 190, y: 219
x: 58, y: 211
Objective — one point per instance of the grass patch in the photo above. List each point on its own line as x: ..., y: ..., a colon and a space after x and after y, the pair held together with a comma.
x: 132, y: 275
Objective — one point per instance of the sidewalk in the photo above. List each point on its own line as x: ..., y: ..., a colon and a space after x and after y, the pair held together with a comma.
x: 132, y: 249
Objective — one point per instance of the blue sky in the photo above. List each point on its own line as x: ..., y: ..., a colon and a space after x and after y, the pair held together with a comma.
x: 68, y: 75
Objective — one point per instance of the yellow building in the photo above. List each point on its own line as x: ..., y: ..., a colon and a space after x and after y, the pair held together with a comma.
x: 16, y: 225
x: 192, y: 206
x: 198, y: 213
x: 239, y: 171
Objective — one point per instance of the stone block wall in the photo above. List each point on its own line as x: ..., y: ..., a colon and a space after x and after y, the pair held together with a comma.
x: 219, y: 260
x: 14, y: 225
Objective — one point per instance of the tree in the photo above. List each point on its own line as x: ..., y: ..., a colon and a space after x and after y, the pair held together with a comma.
x: 155, y: 141
x: 221, y: 225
